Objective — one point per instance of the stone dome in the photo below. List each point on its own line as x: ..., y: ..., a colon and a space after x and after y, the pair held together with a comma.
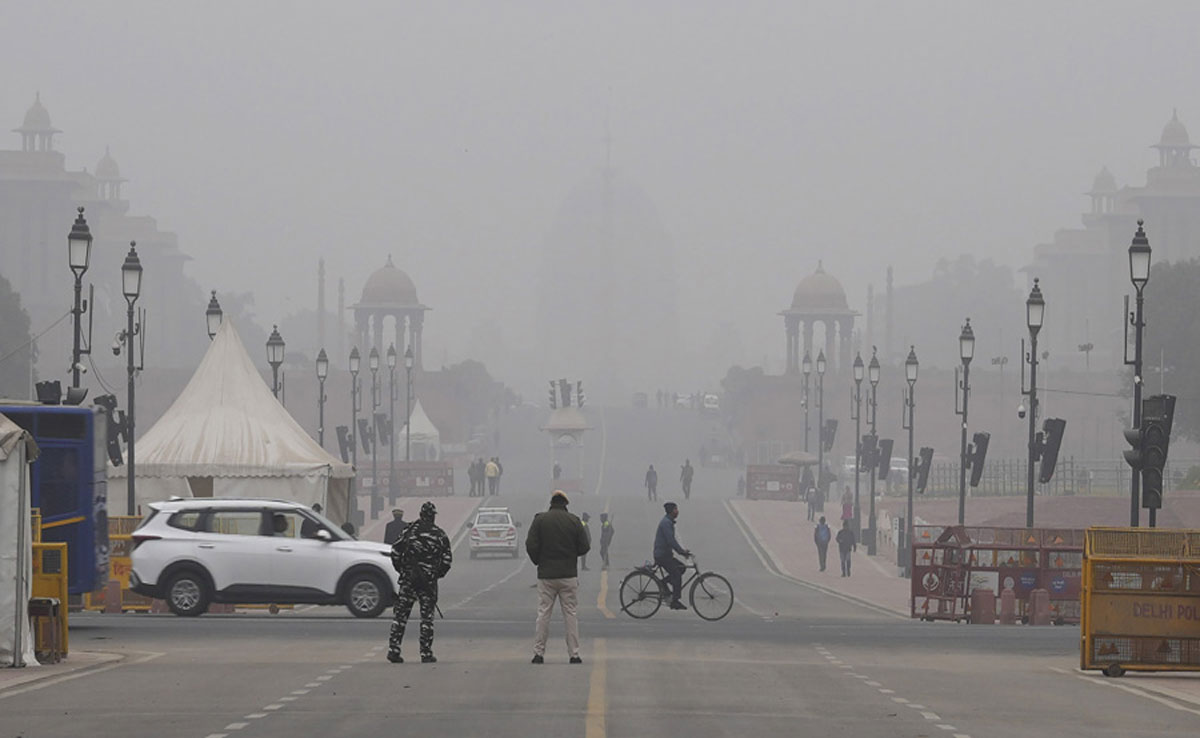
x: 107, y: 167
x: 389, y: 286
x: 1174, y: 134
x: 1104, y: 183
x: 819, y: 291
x: 37, y: 118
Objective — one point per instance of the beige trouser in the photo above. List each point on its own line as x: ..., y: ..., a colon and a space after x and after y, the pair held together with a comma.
x: 567, y: 593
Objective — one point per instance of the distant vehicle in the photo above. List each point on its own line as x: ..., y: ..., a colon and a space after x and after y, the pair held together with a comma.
x: 641, y: 399
x: 494, y: 531
x: 191, y: 552
x: 847, y: 468
x: 712, y: 403
x: 683, y: 401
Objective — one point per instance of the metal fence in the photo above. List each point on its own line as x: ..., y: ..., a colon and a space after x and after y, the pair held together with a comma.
x: 1092, y: 477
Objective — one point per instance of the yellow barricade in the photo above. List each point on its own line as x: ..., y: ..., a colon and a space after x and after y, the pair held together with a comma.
x: 120, y: 564
x: 1140, y: 600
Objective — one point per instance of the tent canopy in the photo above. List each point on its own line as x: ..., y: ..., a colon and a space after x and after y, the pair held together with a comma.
x: 423, y: 428
x: 227, y: 435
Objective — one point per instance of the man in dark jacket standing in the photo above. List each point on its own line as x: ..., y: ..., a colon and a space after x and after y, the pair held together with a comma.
x: 606, y: 534
x: 651, y: 484
x: 422, y: 556
x: 395, y: 526
x: 665, y: 548
x: 555, y: 541
x: 846, y: 544
x: 821, y: 536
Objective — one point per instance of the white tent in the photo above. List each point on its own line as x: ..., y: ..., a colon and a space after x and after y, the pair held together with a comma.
x: 17, y: 449
x: 426, y: 440
x: 227, y: 436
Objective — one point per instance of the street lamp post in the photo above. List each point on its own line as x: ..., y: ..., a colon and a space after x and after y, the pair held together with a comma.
x: 408, y: 368
x: 1139, y: 275
x: 391, y: 364
x: 213, y: 316
x: 859, y: 371
x: 373, y: 365
x: 275, y: 348
x: 821, y: 430
x: 355, y: 358
x: 79, y: 256
x: 1035, y: 313
x: 322, y: 373
x: 966, y: 352
x: 131, y: 287
x: 872, y: 408
x: 910, y: 375
x: 806, y: 369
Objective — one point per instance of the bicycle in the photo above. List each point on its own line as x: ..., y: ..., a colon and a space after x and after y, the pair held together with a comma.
x: 644, y: 589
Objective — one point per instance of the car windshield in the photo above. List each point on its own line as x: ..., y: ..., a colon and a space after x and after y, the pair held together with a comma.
x: 492, y: 519
x: 333, y: 528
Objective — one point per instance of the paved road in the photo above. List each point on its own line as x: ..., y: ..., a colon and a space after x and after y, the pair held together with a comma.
x: 789, y: 660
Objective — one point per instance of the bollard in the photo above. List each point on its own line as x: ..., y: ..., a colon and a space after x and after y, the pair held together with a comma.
x: 983, y: 607
x: 1008, y: 607
x: 112, y: 597
x: 1039, y: 607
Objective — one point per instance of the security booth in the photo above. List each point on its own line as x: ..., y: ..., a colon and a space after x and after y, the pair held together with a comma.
x: 1140, y: 600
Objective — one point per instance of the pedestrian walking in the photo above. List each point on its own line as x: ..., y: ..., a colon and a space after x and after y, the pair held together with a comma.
x: 686, y: 472
x: 473, y: 475
x: 395, y: 526
x: 821, y: 536
x: 491, y: 471
x: 846, y: 544
x: 847, y: 504
x: 606, y: 534
x: 811, y: 498
x: 557, y: 470
x: 651, y: 484
x: 555, y: 541
x: 584, y: 518
x: 421, y: 556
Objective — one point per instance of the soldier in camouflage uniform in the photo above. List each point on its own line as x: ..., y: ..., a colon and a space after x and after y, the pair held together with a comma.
x: 422, y: 556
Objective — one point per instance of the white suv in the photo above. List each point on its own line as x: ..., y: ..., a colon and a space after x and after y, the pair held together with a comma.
x: 494, y: 531
x: 191, y: 552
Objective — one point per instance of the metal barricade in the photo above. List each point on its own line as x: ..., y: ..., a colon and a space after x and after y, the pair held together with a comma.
x: 1140, y: 602
x: 50, y: 583
x: 120, y: 565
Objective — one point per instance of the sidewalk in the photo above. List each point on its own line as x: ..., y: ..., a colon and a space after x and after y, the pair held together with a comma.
x: 75, y: 664
x: 453, y: 513
x: 785, y: 534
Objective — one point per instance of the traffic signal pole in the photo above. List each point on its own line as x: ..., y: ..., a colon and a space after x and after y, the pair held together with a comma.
x: 1135, y: 491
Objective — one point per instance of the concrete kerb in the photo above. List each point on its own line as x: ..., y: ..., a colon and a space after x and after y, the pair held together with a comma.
x: 771, y: 563
x: 77, y: 664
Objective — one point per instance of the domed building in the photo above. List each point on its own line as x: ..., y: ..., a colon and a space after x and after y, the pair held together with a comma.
x: 389, y: 293
x: 37, y: 134
x: 819, y: 298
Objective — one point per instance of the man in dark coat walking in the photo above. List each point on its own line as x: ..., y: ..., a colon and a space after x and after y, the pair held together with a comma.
x: 606, y: 535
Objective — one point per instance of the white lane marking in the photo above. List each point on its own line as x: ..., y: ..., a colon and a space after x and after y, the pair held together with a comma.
x: 943, y: 726
x: 324, y: 678
x: 236, y: 726
x: 256, y: 715
x: 845, y: 666
x: 216, y: 735
x: 900, y: 700
x: 301, y: 691
x: 961, y: 735
x: 1140, y: 693
x: 311, y: 685
x: 887, y: 691
x: 491, y: 586
x: 872, y: 684
x: 275, y: 706
x: 288, y: 699
x: 915, y: 706
x: 345, y: 666
x: 861, y: 676
x: 932, y: 717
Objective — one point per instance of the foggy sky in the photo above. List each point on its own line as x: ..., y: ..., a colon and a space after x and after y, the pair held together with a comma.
x: 768, y: 136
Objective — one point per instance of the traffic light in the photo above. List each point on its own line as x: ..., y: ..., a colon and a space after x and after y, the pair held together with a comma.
x: 883, y: 460
x: 1133, y: 454
x: 924, y: 463
x: 976, y: 454
x: 383, y: 428
x: 867, y: 452
x: 579, y: 398
x: 1158, y: 414
x: 366, y: 434
x: 1053, y: 430
x: 345, y: 442
x: 553, y: 396
x: 565, y: 387
x: 828, y: 433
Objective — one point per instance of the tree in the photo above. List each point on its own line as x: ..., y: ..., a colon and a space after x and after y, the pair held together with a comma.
x: 16, y: 347
x: 1173, y: 333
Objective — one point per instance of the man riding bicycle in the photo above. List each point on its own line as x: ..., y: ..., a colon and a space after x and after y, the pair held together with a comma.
x: 665, y: 548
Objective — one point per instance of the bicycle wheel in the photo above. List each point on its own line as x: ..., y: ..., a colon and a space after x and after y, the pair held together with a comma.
x: 711, y: 596
x: 641, y: 594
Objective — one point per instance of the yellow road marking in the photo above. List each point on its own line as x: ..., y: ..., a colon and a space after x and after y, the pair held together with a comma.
x: 597, y: 707
x: 602, y: 598
x: 68, y: 521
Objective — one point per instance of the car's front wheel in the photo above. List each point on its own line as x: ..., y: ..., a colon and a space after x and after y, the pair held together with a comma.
x: 187, y: 594
x: 366, y: 595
